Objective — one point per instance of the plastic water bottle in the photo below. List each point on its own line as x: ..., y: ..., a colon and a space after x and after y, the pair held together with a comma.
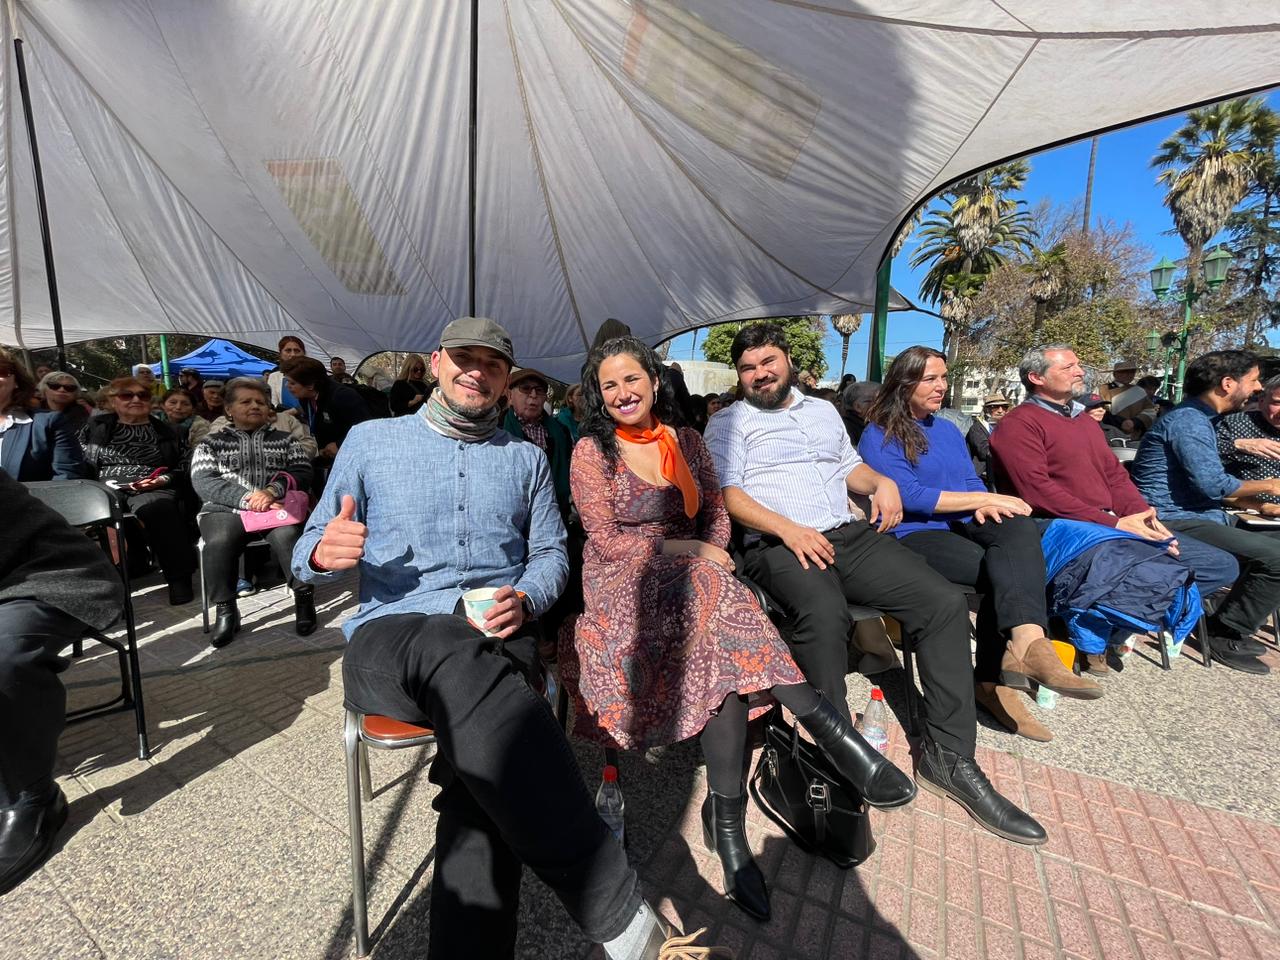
x: 1046, y: 698
x: 872, y: 723
x: 609, y: 803
x: 1173, y: 646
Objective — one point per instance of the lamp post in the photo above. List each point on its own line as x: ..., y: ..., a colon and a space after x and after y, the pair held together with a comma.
x: 1216, y: 265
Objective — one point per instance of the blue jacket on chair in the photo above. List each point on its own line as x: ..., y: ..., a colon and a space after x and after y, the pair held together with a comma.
x: 1132, y: 584
x: 44, y: 449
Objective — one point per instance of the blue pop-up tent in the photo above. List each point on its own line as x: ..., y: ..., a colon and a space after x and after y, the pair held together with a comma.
x: 217, y: 360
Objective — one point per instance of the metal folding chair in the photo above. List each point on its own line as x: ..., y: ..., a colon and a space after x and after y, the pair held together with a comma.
x: 204, y: 586
x: 90, y: 505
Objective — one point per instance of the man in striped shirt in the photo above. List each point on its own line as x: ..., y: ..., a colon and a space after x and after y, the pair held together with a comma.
x: 787, y: 469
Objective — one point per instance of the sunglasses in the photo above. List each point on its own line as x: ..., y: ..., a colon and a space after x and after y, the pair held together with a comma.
x: 133, y: 395
x: 69, y: 387
x: 532, y: 389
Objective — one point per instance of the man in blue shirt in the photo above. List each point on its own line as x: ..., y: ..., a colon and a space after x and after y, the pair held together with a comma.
x: 427, y: 507
x: 1179, y: 472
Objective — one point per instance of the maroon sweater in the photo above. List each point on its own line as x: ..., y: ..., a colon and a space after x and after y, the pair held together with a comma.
x: 1062, y: 466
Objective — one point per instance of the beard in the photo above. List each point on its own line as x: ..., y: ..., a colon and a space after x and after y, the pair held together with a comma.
x: 773, y: 395
x: 476, y: 409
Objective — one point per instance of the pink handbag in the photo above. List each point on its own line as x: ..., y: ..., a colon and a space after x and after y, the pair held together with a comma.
x: 294, y: 510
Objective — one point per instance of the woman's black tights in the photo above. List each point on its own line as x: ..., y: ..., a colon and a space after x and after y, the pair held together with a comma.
x: 724, y: 738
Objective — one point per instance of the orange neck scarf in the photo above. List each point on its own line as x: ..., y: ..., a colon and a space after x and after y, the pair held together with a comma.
x: 672, y: 465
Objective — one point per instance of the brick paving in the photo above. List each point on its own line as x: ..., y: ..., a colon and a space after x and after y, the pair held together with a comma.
x: 231, y: 840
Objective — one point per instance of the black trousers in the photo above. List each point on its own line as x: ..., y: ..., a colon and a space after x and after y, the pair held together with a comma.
x: 165, y: 527
x: 225, y: 539
x: 878, y: 572
x: 510, y: 794
x: 1002, y: 561
x: 33, y: 702
x: 1256, y: 591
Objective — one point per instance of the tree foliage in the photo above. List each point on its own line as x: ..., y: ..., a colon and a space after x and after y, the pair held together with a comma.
x: 96, y: 362
x: 805, y: 335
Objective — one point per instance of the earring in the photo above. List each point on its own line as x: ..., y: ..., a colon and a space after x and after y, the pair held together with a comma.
x: 604, y: 410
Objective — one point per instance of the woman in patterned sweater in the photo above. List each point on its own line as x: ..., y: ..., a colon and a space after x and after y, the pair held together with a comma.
x: 238, y: 469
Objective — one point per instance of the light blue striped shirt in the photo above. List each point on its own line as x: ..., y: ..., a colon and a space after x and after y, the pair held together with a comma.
x: 793, y: 460
x: 444, y: 517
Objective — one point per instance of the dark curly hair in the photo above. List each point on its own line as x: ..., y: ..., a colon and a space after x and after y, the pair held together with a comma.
x: 891, y: 410
x: 596, y: 422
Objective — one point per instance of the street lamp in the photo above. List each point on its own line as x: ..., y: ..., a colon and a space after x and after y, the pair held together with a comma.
x: 1215, y: 267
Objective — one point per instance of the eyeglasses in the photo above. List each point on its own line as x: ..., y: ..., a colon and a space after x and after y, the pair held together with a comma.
x: 132, y: 395
x: 532, y: 389
x: 69, y: 387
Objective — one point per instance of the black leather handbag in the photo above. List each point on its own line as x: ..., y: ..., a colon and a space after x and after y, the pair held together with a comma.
x: 796, y: 787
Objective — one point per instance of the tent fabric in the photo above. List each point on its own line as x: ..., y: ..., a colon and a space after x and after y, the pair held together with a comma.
x: 218, y: 360
x: 258, y: 168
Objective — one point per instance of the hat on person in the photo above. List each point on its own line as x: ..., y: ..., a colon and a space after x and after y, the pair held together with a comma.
x: 995, y: 400
x: 527, y: 373
x: 215, y: 383
x: 188, y: 370
x: 1094, y: 400
x: 478, y: 332
x: 1125, y: 364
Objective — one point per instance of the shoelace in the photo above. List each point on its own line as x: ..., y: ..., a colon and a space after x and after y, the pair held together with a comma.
x: 683, y: 948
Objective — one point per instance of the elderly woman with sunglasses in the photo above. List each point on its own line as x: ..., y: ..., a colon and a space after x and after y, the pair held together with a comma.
x: 410, y: 391
x: 59, y: 392
x: 34, y: 444
x: 141, y: 456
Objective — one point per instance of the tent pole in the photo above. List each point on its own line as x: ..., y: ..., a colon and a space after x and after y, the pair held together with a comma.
x: 55, y: 310
x: 879, y: 322
x: 471, y: 162
x: 164, y: 360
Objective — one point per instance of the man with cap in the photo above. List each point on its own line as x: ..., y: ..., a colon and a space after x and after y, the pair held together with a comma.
x: 527, y: 419
x: 427, y: 507
x: 1096, y: 407
x: 1131, y: 409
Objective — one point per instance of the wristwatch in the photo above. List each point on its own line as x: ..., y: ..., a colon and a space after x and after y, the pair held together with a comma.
x: 525, y: 607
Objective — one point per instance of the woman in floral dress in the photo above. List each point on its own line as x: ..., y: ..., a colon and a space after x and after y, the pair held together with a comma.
x: 670, y: 645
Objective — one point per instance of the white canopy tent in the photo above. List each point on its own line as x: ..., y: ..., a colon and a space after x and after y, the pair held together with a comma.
x: 249, y: 168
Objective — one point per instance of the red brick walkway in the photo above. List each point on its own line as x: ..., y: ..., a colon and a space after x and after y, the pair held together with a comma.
x: 1126, y: 874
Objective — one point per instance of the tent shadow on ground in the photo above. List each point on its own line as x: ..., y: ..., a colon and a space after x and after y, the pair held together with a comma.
x: 198, y: 715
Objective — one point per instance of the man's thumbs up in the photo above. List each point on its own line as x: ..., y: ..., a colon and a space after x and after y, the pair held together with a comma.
x: 342, y: 544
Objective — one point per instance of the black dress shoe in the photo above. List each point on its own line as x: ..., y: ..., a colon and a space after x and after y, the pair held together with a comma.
x: 226, y: 625
x: 304, y: 611
x: 27, y: 832
x: 947, y: 774
x: 724, y: 831
x: 180, y: 592
x: 879, y: 782
x: 1239, y: 653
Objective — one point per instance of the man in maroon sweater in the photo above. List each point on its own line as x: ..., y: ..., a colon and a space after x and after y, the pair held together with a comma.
x: 1060, y: 463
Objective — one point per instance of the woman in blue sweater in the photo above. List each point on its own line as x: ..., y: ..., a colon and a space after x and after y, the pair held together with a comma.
x: 970, y: 536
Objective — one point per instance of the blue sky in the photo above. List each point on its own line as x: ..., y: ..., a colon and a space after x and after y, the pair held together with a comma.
x: 1124, y: 189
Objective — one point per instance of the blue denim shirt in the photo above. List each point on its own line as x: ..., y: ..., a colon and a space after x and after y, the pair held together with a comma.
x: 444, y: 517
x: 1178, y: 469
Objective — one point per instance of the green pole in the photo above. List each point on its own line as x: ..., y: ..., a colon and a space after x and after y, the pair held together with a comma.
x: 164, y: 360
x: 879, y: 322
x: 1188, y: 299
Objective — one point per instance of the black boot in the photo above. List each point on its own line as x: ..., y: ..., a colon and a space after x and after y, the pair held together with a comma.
x: 225, y: 627
x: 879, y: 782
x: 947, y: 774
x: 724, y: 831
x: 180, y: 591
x: 304, y: 611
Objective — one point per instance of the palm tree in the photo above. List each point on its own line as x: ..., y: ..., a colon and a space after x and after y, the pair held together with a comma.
x: 942, y: 248
x: 1045, y: 268
x: 1209, y: 164
x: 846, y: 324
x: 981, y: 203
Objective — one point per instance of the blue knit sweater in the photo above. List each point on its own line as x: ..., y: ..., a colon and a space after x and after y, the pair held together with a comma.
x: 944, y: 466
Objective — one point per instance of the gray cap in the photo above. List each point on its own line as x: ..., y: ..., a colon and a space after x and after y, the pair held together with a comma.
x: 478, y: 332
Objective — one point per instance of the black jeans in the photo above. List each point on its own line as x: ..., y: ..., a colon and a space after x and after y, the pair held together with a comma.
x: 510, y: 789
x: 878, y: 572
x: 33, y: 702
x: 165, y: 527
x: 1256, y: 591
x: 224, y: 540
x: 1002, y: 561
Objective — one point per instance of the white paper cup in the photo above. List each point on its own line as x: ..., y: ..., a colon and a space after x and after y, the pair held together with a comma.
x: 475, y: 603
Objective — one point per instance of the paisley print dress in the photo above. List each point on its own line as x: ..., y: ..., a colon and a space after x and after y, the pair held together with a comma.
x: 663, y: 639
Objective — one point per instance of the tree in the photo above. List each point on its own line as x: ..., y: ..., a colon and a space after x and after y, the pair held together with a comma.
x: 846, y: 324
x: 1209, y: 164
x: 97, y: 362
x: 804, y: 334
x: 1253, y: 230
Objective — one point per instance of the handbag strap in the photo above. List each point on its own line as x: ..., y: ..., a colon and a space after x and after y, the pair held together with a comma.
x: 289, y: 483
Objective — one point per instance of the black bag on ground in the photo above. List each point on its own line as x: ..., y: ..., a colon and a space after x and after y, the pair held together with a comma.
x: 796, y: 787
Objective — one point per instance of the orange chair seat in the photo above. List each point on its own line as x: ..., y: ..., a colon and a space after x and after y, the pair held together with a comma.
x: 377, y: 727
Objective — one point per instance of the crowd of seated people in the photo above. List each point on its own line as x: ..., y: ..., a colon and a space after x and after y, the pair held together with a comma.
x: 667, y: 644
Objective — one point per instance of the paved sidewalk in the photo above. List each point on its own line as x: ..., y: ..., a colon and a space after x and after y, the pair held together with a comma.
x: 1160, y: 800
